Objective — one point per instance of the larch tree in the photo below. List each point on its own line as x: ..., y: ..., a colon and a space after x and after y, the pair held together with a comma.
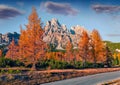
x: 13, y: 51
x: 0, y: 53
x: 97, y: 48
x: 109, y: 58
x: 83, y: 47
x: 68, y: 55
x: 32, y: 46
x: 116, y: 58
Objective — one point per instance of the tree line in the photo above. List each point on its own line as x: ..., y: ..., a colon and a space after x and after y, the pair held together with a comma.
x: 31, y: 48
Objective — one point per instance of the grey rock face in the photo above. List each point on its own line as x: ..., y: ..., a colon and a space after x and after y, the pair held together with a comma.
x: 5, y: 39
x: 59, y: 35
x: 56, y: 34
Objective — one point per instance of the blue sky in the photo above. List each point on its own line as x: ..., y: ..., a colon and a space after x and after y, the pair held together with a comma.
x: 103, y: 15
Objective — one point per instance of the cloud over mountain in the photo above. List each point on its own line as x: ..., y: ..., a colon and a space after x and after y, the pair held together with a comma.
x: 112, y: 9
x: 59, y: 8
x: 7, y: 12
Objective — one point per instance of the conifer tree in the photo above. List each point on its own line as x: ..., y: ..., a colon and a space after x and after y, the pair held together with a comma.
x: 84, y: 47
x: 32, y: 47
x: 13, y: 51
x: 98, y: 48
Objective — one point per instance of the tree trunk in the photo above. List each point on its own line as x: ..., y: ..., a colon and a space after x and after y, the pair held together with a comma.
x: 84, y: 63
x: 34, y: 67
x: 95, y: 62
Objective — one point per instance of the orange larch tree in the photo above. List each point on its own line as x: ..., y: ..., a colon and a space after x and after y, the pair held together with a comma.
x: 32, y: 47
x: 68, y: 55
x: 0, y: 53
x: 13, y: 51
x: 97, y: 48
x: 83, y: 47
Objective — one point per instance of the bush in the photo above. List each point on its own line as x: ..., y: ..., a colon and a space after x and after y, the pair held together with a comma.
x: 10, y: 71
x: 53, y: 64
x: 2, y: 71
x: 13, y: 71
x: 100, y: 65
x: 116, y: 61
x: 77, y: 64
x: 18, y: 63
x: 89, y: 65
x: 59, y: 64
x: 5, y: 62
x: 42, y: 64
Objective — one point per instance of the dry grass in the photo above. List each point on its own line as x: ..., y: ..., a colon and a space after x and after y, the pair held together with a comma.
x: 38, y: 77
x: 113, y: 82
x: 15, y: 68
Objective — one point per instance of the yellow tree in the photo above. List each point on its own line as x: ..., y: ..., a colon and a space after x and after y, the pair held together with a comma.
x: 13, y: 51
x: 84, y: 47
x: 116, y: 58
x: 97, y: 48
x: 32, y: 47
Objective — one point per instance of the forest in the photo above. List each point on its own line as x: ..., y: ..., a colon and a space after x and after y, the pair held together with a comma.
x: 32, y: 52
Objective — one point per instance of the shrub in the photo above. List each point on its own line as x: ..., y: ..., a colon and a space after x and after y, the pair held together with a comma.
x: 77, y: 64
x: 89, y: 65
x: 18, y: 63
x: 54, y: 64
x: 100, y: 65
x: 116, y: 61
x: 13, y: 71
x: 5, y: 62
x: 2, y: 71
x: 42, y: 64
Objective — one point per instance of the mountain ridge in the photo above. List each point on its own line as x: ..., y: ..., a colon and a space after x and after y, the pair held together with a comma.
x: 58, y: 34
x: 55, y: 34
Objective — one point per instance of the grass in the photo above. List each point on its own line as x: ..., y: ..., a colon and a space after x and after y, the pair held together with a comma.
x: 13, y: 70
x: 113, y: 46
x: 39, y: 77
x: 113, y: 82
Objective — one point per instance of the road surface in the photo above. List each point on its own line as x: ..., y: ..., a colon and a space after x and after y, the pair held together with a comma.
x: 88, y: 80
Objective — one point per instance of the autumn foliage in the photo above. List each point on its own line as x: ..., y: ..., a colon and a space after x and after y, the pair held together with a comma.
x: 0, y: 53
x: 31, y: 45
x: 83, y: 47
x: 69, y: 53
x: 13, y: 51
x: 31, y: 48
x: 97, y: 47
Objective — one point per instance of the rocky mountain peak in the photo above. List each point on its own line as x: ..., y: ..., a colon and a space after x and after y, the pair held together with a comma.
x: 5, y: 39
x: 59, y: 35
x: 64, y: 27
x: 55, y: 22
x: 77, y: 29
x: 55, y: 33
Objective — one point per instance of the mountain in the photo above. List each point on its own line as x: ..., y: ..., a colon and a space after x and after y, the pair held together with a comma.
x: 55, y: 34
x: 58, y: 35
x: 5, y: 39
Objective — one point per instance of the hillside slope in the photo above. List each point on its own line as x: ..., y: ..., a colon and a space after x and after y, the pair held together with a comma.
x: 112, y: 45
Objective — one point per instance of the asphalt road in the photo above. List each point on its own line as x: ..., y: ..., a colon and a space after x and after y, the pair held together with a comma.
x: 88, y: 80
